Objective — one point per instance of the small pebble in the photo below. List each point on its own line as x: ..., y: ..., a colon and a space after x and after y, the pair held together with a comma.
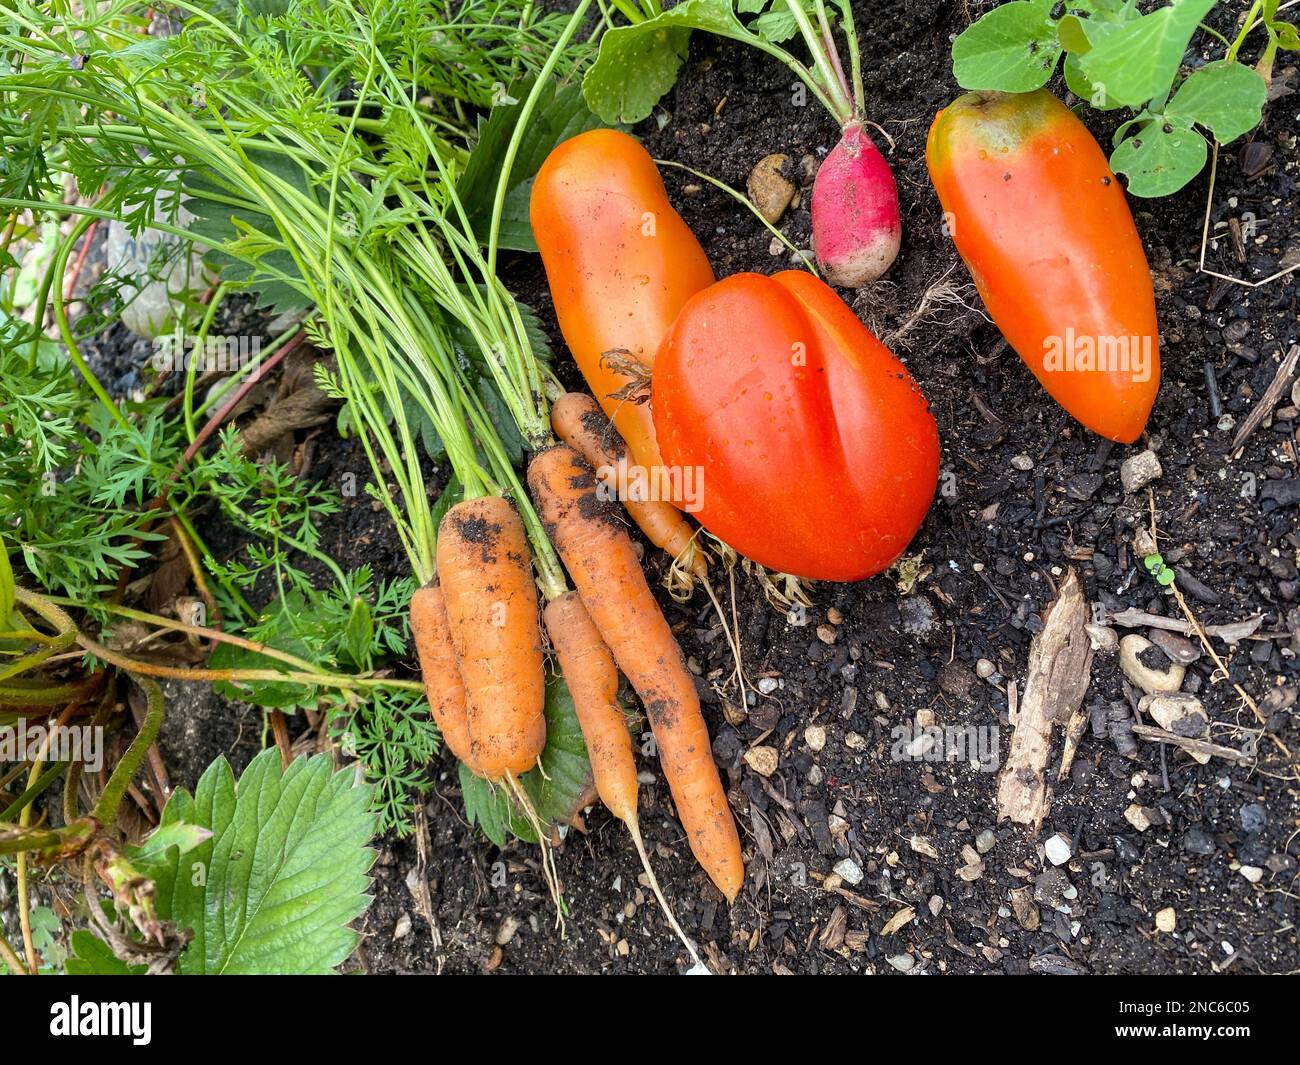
x: 1138, y: 471
x: 815, y: 737
x: 1253, y: 873
x: 1058, y: 849
x: 1167, y: 919
x: 985, y: 841
x: 1132, y: 648
x: 849, y: 871
x: 762, y: 760
x: 984, y: 669
x: 902, y: 962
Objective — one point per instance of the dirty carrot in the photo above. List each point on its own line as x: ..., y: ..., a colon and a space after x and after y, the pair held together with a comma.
x: 440, y: 670
x: 592, y: 677
x: 604, y: 567
x: 578, y: 420
x: 485, y: 570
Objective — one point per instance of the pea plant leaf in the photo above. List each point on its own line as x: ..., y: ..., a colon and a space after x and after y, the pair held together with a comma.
x: 1014, y: 48
x: 1226, y: 98
x: 1160, y: 158
x: 283, y: 873
x: 637, y: 64
x: 1140, y: 60
x: 557, y: 787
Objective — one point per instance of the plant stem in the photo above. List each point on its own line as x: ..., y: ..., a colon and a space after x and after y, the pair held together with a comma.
x: 834, y: 95
x: 105, y: 811
x: 192, y: 364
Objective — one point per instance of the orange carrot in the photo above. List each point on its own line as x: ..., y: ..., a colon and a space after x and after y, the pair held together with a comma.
x: 441, y: 673
x: 599, y: 556
x: 485, y: 570
x: 578, y: 420
x: 592, y: 677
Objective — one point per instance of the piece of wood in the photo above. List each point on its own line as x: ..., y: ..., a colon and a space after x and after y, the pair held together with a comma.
x: 1056, y: 679
x: 1269, y: 399
x: 1213, y: 750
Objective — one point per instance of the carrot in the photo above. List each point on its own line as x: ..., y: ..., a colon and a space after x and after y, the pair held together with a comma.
x: 604, y: 567
x: 578, y: 420
x: 441, y: 673
x: 592, y: 677
x: 485, y: 570
x: 580, y: 423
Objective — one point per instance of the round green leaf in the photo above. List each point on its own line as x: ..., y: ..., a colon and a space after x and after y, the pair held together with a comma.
x: 1159, y: 160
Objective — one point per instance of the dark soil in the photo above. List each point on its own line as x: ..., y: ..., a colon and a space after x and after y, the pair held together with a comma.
x: 1027, y: 494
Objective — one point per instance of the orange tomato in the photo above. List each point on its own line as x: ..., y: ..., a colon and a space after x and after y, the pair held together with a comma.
x: 620, y: 263
x: 1046, y: 231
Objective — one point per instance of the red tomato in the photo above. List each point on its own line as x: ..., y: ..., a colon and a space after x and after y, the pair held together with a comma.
x: 818, y: 453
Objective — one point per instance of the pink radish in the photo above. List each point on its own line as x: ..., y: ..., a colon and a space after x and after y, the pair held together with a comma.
x: 856, y: 227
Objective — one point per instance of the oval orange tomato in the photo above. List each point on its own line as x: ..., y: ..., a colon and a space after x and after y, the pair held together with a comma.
x: 817, y: 454
x: 620, y: 263
x: 1044, y: 227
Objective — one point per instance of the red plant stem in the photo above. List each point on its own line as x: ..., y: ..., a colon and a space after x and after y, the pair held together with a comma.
x: 73, y: 277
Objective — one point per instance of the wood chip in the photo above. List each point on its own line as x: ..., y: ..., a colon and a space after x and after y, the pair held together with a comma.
x: 1269, y: 399
x: 1149, y: 732
x: 902, y: 918
x: 1057, y: 677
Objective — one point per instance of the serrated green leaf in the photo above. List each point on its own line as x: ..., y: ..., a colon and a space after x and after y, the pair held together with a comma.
x: 637, y: 64
x: 556, y: 786
x: 275, y: 887
x: 1014, y: 48
x: 1226, y: 98
x: 1158, y: 162
x: 91, y: 956
x: 1140, y: 60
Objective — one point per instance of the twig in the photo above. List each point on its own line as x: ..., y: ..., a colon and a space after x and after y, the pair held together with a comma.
x: 1269, y: 399
x: 1205, y: 235
x: 1213, y: 750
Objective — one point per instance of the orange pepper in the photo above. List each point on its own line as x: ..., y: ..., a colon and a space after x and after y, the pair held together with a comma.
x: 1044, y: 226
x: 620, y: 263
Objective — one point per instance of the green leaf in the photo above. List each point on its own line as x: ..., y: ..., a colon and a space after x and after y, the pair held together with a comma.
x: 559, y: 114
x: 1140, y: 60
x: 1014, y: 48
x: 275, y: 887
x: 178, y: 834
x: 1226, y: 98
x: 6, y: 589
x: 1159, y: 160
x: 91, y: 956
x: 556, y: 786
x: 359, y: 633
x: 1287, y: 37
x: 637, y: 64
x: 777, y: 25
